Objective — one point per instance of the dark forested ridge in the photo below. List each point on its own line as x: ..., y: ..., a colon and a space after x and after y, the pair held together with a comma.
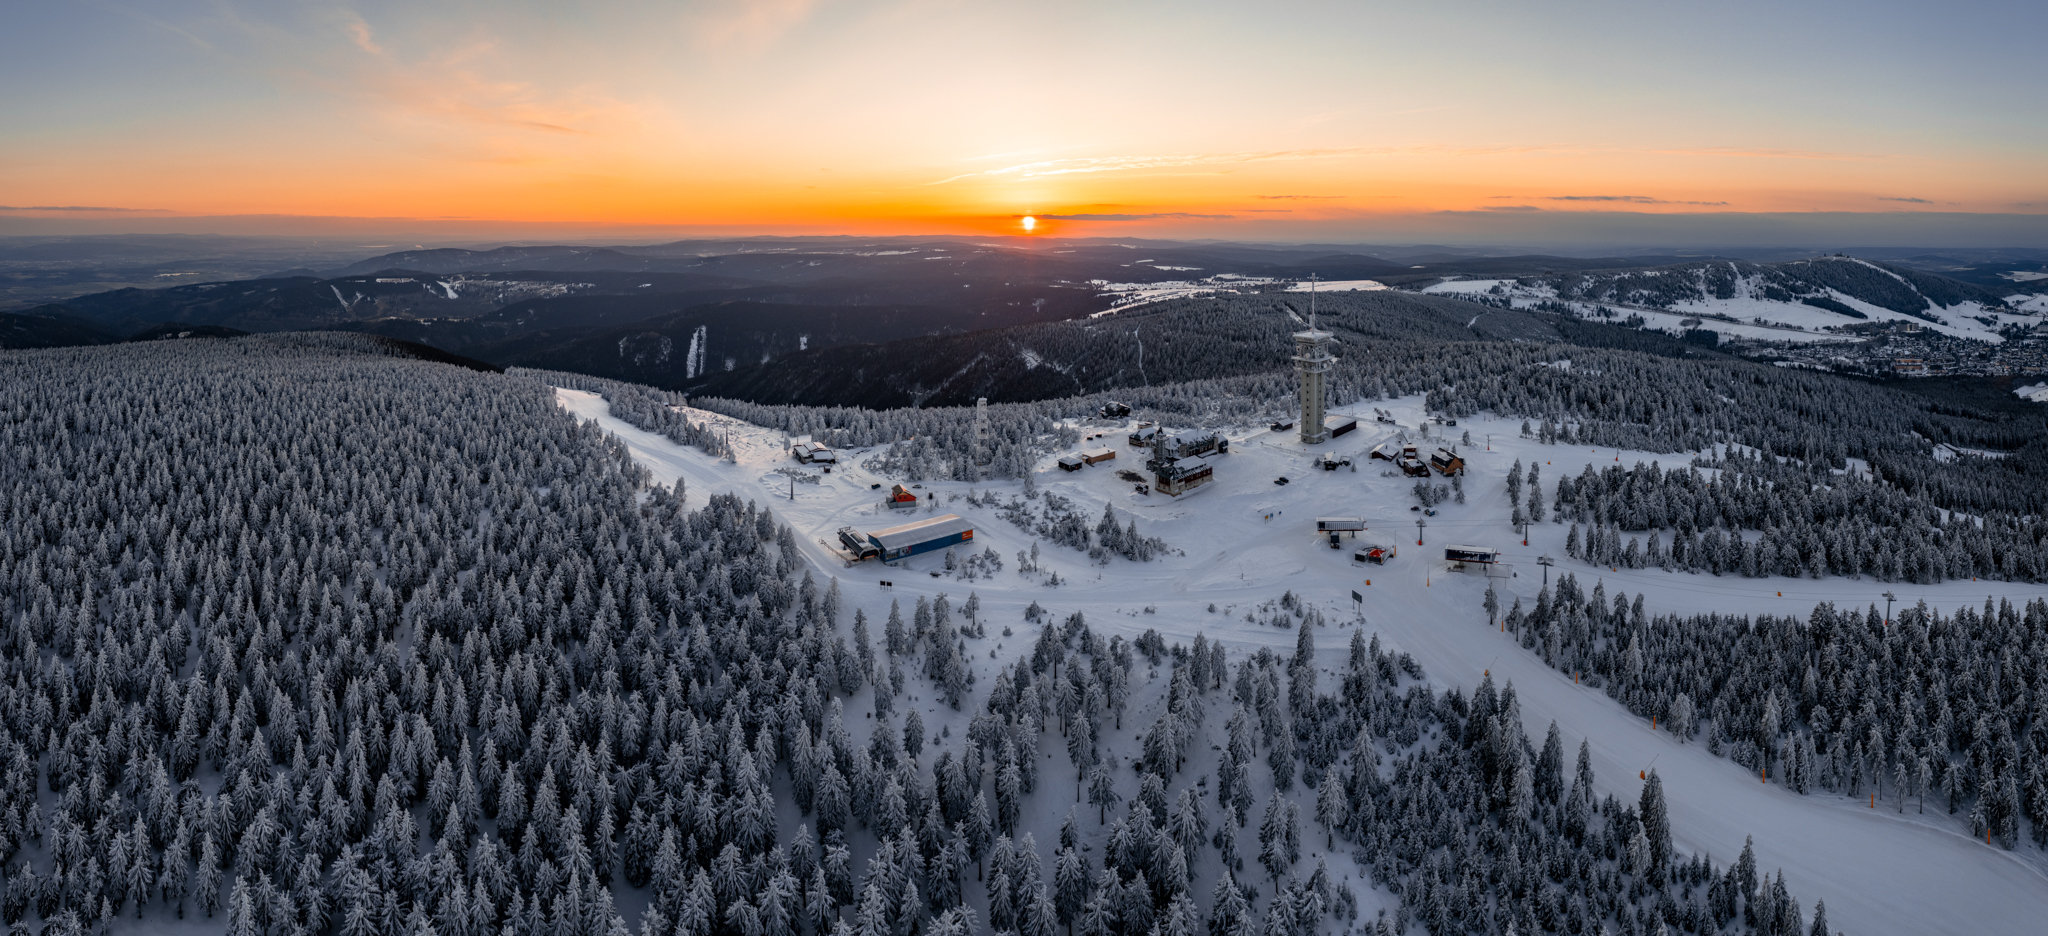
x: 507, y: 291
x: 302, y: 635
x: 604, y: 322
x: 728, y: 335
x: 932, y: 322
x: 1155, y: 345
x: 49, y: 331
x: 500, y: 304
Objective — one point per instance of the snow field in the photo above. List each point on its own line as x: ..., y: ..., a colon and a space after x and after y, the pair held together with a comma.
x: 1782, y: 321
x: 1878, y: 870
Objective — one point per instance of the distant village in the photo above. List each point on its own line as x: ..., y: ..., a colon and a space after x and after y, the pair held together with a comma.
x: 1904, y: 349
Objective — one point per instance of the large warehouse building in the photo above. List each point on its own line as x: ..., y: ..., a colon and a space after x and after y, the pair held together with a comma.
x: 923, y: 536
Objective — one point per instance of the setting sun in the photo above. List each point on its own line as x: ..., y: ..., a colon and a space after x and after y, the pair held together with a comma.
x: 1029, y: 223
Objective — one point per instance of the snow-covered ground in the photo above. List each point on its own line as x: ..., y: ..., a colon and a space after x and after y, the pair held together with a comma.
x: 1946, y: 453
x: 1467, y: 287
x: 1754, y: 316
x: 1879, y: 871
x: 2037, y: 393
x: 1127, y: 296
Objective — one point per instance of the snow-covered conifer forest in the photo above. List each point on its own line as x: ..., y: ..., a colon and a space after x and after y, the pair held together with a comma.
x: 299, y: 636
x: 1928, y: 705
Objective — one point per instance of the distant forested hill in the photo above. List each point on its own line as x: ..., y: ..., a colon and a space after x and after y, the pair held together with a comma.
x: 718, y: 337
x: 302, y: 302
x: 1170, y: 342
x: 48, y: 331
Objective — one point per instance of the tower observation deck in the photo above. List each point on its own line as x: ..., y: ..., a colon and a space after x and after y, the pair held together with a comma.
x: 1312, y: 361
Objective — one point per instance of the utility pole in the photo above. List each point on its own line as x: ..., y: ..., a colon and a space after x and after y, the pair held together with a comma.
x: 1545, y: 562
x: 1419, y: 524
x: 1888, y: 599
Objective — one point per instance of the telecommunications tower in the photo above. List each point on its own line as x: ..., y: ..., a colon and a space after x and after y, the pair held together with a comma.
x: 1312, y: 360
x: 983, y: 452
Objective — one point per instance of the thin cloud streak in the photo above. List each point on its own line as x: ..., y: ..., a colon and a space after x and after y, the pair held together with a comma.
x: 1748, y: 153
x: 187, y: 35
x: 748, y: 25
x: 1128, y: 217
x: 82, y: 208
x: 1628, y: 199
x: 1094, y: 164
x: 1078, y: 165
x: 343, y: 54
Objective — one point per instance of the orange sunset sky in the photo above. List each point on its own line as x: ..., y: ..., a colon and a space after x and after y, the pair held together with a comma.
x: 1277, y: 121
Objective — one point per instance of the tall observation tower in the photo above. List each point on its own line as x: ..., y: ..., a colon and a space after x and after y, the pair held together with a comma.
x: 1312, y: 360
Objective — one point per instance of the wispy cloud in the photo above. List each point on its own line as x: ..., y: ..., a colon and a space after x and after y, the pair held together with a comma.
x: 1628, y: 199
x: 1299, y: 197
x: 171, y: 28
x: 1090, y: 164
x: 747, y: 25
x: 1128, y: 217
x: 359, y: 32
x: 1741, y: 152
x: 80, y: 208
x: 454, y: 82
x: 1510, y: 208
x: 1910, y: 201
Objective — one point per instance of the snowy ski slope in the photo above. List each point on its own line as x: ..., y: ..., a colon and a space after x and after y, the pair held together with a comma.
x: 1878, y: 870
x: 1752, y: 313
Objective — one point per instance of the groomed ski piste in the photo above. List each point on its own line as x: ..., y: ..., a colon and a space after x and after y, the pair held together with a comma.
x: 1241, y: 541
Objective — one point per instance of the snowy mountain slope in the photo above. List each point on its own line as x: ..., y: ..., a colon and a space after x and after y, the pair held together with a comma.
x: 1878, y: 870
x: 489, y: 473
x: 1801, y: 300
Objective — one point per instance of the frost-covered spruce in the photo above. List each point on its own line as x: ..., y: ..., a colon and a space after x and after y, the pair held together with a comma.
x: 1812, y: 524
x: 1928, y: 708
